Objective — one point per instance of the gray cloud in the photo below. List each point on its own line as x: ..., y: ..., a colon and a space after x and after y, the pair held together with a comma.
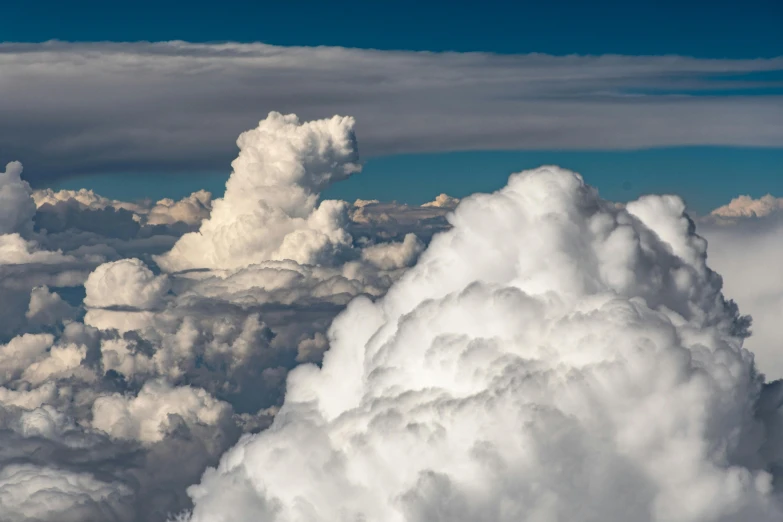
x: 112, y: 107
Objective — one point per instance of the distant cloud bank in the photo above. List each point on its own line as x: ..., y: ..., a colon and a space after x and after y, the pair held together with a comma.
x: 79, y: 108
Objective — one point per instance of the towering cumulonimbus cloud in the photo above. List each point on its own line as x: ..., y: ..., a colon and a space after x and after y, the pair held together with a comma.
x: 270, y: 209
x: 551, y: 357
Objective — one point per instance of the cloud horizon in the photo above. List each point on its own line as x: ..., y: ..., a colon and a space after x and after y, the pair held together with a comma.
x: 82, y: 108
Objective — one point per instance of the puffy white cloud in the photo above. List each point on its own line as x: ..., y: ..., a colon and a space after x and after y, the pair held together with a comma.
x: 15, y: 250
x: 125, y: 283
x: 747, y: 207
x: 47, y: 308
x: 20, y: 353
x: 191, y: 210
x: 390, y: 256
x: 443, y: 201
x: 270, y: 209
x: 150, y: 415
x: 552, y: 357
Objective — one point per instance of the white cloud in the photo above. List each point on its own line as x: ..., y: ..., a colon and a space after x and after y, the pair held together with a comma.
x: 552, y: 357
x: 39, y: 493
x: 747, y: 207
x: 270, y: 209
x: 192, y: 210
x: 183, y: 103
x: 148, y: 416
x: 126, y: 282
x: 47, y: 308
x: 391, y: 256
x: 443, y: 201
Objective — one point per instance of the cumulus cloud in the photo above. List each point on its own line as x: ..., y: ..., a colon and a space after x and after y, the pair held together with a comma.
x: 191, y: 210
x: 126, y: 282
x: 270, y: 209
x: 390, y: 256
x: 152, y: 413
x: 61, y: 116
x: 747, y: 207
x: 548, y: 352
x: 47, y: 308
x: 442, y: 201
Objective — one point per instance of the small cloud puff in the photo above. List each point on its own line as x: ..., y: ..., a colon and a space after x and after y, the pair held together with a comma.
x: 443, y: 201
x: 125, y: 283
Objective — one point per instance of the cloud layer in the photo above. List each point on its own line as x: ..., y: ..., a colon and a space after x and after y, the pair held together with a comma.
x: 526, y: 354
x: 183, y: 104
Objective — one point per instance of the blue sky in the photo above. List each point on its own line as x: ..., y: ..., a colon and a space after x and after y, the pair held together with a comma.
x: 720, y: 28
x: 705, y: 176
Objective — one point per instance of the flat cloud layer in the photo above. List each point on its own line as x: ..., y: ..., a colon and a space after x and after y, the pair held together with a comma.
x: 75, y: 108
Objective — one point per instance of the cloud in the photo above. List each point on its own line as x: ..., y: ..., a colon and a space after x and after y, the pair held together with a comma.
x: 156, y: 409
x: 183, y: 103
x: 191, y: 210
x: 747, y: 207
x: 39, y: 493
x: 391, y: 256
x: 747, y: 250
x: 16, y: 206
x: 126, y: 282
x: 443, y: 201
x: 47, y: 308
x: 549, y: 351
x: 270, y: 210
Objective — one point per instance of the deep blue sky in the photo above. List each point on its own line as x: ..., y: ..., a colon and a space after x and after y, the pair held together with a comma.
x: 703, y: 28
x: 707, y: 177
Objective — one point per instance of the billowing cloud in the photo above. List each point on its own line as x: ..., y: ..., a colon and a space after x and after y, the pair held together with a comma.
x: 270, y: 210
x: 552, y: 357
x: 182, y: 104
x: 191, y: 210
x: 126, y: 282
x: 443, y: 201
x: 747, y: 207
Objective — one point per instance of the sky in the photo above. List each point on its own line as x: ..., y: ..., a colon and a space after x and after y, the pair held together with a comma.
x: 725, y: 29
x: 478, y: 159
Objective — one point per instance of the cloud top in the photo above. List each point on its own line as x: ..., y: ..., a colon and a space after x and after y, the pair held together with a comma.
x: 270, y: 210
